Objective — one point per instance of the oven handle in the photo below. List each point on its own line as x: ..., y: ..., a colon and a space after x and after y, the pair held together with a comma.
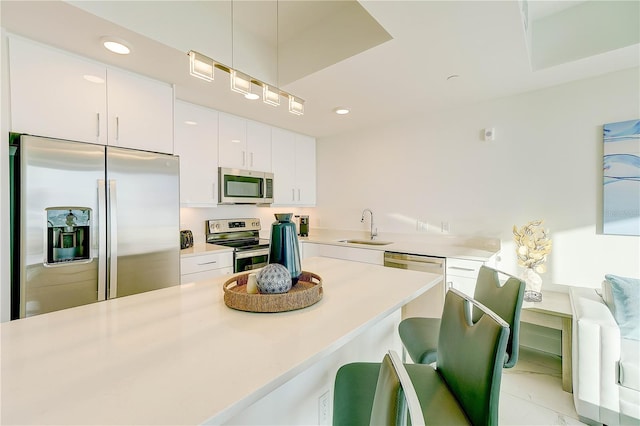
x: 251, y: 253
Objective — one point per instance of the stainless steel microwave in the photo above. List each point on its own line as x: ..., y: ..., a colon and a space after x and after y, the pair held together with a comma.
x: 244, y: 186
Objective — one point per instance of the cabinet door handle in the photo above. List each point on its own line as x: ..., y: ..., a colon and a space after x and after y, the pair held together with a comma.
x: 458, y: 268
x: 298, y: 194
x: 97, y: 124
x: 207, y: 263
x: 251, y: 156
x: 293, y: 194
x: 102, y: 240
x: 244, y: 158
x: 117, y: 128
x: 112, y: 248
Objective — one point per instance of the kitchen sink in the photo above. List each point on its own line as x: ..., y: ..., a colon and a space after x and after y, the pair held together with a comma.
x: 367, y: 242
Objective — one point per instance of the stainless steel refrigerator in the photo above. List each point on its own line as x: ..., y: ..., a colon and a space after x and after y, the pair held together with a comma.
x: 89, y: 223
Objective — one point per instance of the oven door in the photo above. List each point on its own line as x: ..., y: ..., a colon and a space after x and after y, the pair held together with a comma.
x: 248, y: 260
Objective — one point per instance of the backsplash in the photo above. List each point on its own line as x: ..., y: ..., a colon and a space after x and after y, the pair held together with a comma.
x: 194, y: 218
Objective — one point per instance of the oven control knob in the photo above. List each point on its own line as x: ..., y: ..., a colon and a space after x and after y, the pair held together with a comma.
x: 217, y: 226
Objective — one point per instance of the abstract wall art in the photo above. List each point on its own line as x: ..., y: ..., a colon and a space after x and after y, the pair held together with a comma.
x: 621, y: 193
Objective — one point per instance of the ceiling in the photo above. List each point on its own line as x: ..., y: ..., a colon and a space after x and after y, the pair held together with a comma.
x: 385, y: 60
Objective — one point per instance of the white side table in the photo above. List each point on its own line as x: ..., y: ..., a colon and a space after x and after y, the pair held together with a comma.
x: 554, y: 312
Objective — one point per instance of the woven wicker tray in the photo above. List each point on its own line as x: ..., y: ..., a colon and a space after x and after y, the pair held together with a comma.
x: 305, y: 293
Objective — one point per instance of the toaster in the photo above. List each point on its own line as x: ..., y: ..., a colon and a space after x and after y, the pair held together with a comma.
x: 186, y: 239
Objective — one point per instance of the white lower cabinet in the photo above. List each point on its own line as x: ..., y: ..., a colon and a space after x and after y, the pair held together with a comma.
x: 204, y: 266
x: 356, y: 254
x: 462, y: 274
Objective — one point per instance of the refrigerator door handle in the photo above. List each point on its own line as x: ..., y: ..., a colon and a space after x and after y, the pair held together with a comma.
x: 113, y: 240
x: 102, y: 240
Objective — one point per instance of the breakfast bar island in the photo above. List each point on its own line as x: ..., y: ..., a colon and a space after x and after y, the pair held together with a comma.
x: 180, y: 356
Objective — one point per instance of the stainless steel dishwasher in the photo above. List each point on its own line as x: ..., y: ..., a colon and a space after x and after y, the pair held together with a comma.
x: 430, y: 303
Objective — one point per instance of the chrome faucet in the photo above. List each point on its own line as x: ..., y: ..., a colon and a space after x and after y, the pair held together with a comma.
x: 374, y: 231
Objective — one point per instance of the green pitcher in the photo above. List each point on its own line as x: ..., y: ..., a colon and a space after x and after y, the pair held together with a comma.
x: 283, y: 247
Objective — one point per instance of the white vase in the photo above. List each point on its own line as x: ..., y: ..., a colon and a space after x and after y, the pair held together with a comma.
x: 533, y: 285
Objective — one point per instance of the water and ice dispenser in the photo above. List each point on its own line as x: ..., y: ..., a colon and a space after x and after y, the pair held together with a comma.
x: 68, y: 234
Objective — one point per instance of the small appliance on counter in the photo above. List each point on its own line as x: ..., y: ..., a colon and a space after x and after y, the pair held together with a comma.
x: 304, y: 226
x: 186, y: 239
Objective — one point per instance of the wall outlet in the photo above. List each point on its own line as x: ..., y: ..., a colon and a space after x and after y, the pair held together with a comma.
x: 444, y: 227
x: 490, y: 134
x: 422, y: 226
x: 323, y: 409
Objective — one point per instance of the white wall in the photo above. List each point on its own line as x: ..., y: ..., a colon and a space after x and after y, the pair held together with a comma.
x: 546, y: 163
x: 5, y: 288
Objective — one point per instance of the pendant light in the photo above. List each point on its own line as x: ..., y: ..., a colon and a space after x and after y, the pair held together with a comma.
x: 269, y: 95
x: 240, y: 82
x: 201, y: 66
x: 296, y: 105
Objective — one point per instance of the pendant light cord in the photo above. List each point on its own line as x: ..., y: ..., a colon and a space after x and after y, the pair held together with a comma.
x: 277, y: 44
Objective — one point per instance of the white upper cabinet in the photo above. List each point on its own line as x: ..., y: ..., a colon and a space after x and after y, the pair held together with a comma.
x: 60, y: 95
x: 196, y: 142
x: 232, y: 141
x: 244, y: 144
x: 283, y: 157
x: 56, y: 94
x: 306, y: 170
x: 294, y: 167
x: 140, y: 112
x: 258, y: 146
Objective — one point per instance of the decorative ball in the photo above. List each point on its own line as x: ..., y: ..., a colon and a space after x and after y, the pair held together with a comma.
x: 274, y: 278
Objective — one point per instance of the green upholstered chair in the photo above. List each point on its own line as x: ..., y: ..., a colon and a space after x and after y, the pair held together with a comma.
x: 464, y: 388
x: 420, y: 335
x: 375, y: 393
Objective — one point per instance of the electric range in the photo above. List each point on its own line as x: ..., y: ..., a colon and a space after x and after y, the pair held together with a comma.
x: 243, y: 235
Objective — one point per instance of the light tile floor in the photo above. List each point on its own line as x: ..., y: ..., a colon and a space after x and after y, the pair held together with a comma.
x: 531, y: 392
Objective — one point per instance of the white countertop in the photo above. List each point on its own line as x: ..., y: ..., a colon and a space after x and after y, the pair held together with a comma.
x: 204, y: 248
x: 480, y: 249
x: 179, y: 355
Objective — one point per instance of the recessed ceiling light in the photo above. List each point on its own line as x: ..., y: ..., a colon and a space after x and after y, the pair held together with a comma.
x: 191, y: 123
x: 252, y: 96
x: 116, y: 45
x: 342, y: 110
